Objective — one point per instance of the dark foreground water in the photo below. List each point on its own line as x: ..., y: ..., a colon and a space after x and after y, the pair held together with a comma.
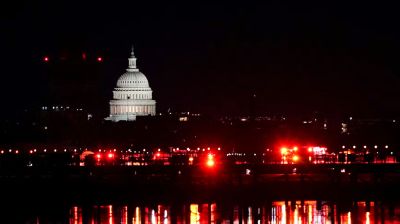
x: 310, y: 211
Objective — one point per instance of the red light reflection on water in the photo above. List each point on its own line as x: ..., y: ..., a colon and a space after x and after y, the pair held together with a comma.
x: 295, y: 212
x: 76, y: 215
x: 110, y: 214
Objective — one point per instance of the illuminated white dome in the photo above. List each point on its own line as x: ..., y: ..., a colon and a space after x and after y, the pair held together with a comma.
x: 133, y: 96
x: 133, y: 79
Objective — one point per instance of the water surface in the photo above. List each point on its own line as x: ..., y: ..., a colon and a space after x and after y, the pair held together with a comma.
x: 295, y: 211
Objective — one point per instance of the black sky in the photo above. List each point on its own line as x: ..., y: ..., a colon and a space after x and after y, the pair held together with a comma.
x: 337, y: 58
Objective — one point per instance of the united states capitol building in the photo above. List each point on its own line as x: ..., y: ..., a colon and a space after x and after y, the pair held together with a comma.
x: 132, y: 97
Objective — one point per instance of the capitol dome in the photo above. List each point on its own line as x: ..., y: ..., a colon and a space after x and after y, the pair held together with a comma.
x: 132, y: 96
x: 133, y: 80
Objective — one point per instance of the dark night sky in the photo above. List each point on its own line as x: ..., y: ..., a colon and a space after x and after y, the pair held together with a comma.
x: 296, y: 57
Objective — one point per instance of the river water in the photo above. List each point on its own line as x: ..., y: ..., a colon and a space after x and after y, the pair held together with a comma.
x: 293, y: 211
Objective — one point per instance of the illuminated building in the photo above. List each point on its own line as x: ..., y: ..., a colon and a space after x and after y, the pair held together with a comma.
x: 132, y: 96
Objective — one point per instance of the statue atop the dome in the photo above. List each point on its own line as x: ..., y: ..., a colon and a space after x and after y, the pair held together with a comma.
x: 132, y: 52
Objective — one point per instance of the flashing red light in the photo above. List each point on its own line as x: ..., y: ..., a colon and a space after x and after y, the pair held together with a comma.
x: 158, y: 154
x: 30, y: 151
x: 284, y: 150
x: 84, y: 56
x: 310, y: 149
x: 46, y: 59
x: 110, y: 155
x: 98, y: 156
x: 210, y: 160
x: 210, y: 163
x: 99, y: 59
